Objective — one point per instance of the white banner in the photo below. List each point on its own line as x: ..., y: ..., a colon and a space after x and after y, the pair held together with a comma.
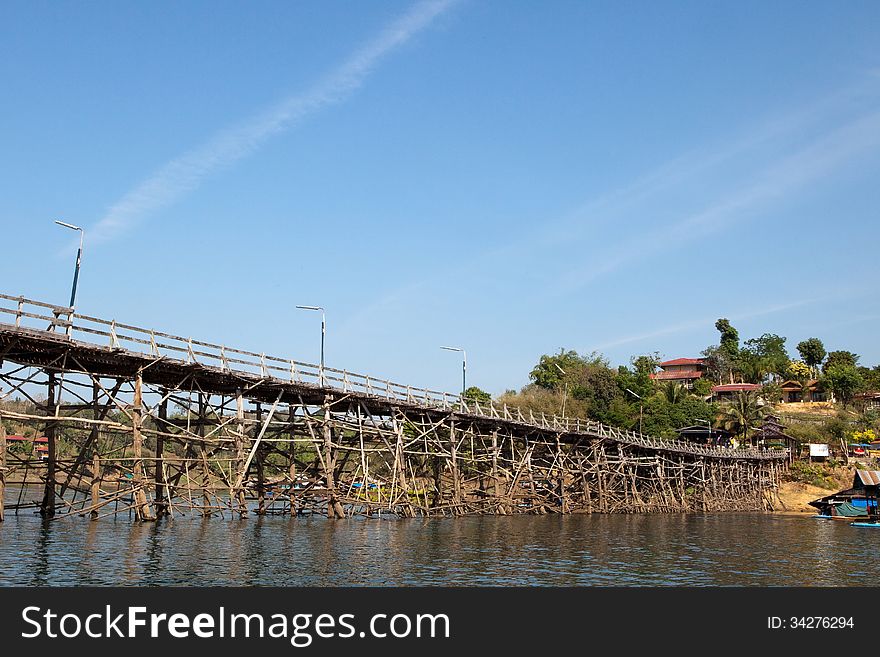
x: 818, y: 449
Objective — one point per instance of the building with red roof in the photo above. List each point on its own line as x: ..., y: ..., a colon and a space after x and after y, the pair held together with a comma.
x: 729, y: 391
x: 681, y: 370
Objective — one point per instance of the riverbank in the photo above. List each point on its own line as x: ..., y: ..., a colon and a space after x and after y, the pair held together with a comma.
x: 810, y: 482
x: 795, y: 496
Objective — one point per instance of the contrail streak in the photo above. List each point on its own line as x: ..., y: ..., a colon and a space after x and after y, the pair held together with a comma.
x: 185, y: 173
x: 782, y: 178
x: 702, y: 323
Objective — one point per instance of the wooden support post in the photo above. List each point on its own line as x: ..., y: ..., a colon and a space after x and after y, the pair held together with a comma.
x: 400, y: 467
x: 334, y: 507
x: 160, y: 504
x: 206, y: 472
x: 237, y: 494
x: 535, y: 502
x: 682, y: 492
x: 96, y: 484
x: 142, y: 506
x: 560, y: 481
x: 47, y: 507
x: 453, y: 464
x: 585, y: 485
x: 496, y: 484
x: 291, y: 460
x: 703, y: 484
x: 437, y: 496
x: 2, y: 467
x: 261, y: 482
x: 365, y: 466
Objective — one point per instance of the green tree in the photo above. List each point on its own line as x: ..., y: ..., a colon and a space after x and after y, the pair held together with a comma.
x: 702, y: 387
x: 729, y: 342
x: 646, y: 364
x: 718, y: 365
x: 589, y: 379
x: 844, y: 358
x: 546, y: 373
x: 477, y: 394
x: 662, y: 418
x: 752, y: 369
x: 596, y: 386
x: 812, y: 352
x: 844, y: 381
x: 765, y: 355
x: 870, y: 377
x: 641, y: 384
x: 742, y: 414
x: 674, y: 392
x: 772, y: 392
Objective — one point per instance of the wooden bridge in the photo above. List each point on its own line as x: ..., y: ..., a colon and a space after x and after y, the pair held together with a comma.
x: 151, y: 425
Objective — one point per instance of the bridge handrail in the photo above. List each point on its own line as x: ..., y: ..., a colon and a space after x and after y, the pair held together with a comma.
x: 229, y: 359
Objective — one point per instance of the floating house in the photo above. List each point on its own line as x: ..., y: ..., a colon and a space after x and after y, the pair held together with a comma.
x: 858, y: 501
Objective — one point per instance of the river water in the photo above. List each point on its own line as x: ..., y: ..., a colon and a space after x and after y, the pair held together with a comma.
x: 747, y: 549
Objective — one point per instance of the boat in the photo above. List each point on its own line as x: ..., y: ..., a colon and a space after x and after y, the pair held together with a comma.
x: 855, y: 502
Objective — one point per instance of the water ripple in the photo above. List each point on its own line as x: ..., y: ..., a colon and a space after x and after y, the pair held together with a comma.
x: 577, y: 550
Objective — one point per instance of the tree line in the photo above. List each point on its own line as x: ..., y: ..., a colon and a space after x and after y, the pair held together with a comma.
x: 628, y: 396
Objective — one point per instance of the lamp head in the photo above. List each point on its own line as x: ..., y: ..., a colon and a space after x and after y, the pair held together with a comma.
x: 67, y: 225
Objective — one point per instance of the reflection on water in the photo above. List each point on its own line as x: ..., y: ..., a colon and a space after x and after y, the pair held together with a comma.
x: 701, y: 550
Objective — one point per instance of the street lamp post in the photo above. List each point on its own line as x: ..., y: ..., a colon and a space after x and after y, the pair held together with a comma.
x: 463, y: 368
x: 78, y: 260
x: 708, y: 426
x: 641, y: 405
x: 323, y: 332
x: 565, y: 388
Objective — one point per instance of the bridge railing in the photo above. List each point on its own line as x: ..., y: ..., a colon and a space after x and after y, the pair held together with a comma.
x: 61, y: 321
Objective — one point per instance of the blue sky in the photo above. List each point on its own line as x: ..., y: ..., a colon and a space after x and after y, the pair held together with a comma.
x: 511, y: 177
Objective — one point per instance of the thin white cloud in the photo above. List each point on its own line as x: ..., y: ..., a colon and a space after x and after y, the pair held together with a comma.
x: 685, y: 327
x: 683, y: 169
x: 780, y: 179
x: 185, y: 173
x: 678, y: 174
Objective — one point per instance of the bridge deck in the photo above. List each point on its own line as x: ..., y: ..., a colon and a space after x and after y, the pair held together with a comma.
x: 49, y: 336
